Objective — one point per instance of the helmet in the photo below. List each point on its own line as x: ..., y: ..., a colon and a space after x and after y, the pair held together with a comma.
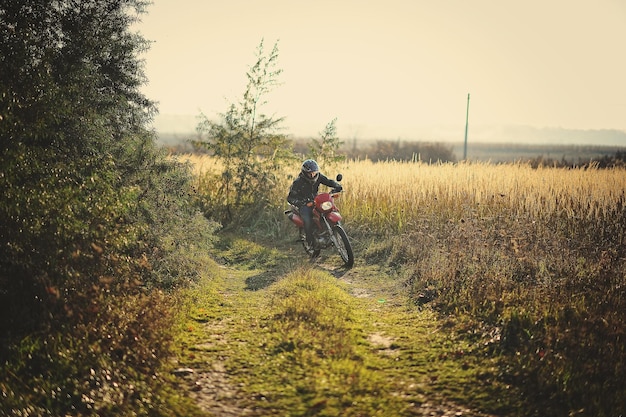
x: 310, y: 170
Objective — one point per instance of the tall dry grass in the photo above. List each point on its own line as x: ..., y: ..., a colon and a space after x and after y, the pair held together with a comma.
x: 200, y: 163
x: 395, y: 196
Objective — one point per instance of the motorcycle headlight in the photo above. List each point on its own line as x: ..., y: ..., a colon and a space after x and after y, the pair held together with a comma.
x: 327, y: 205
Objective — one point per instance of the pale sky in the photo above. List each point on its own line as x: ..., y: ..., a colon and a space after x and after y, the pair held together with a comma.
x: 395, y: 68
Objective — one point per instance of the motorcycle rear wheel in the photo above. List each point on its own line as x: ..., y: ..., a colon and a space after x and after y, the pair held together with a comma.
x: 343, y: 246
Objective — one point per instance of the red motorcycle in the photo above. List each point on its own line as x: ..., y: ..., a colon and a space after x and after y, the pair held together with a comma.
x: 327, y: 228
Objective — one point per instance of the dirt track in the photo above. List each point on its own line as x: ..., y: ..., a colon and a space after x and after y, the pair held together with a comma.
x: 208, y: 380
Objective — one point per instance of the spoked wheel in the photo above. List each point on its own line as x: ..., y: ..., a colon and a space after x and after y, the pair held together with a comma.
x: 309, y: 249
x: 341, y: 242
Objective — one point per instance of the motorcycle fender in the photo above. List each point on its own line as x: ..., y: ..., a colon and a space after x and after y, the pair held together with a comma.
x: 334, y: 217
x: 296, y: 219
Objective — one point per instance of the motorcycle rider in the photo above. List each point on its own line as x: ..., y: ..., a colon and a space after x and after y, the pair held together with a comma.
x: 304, y: 189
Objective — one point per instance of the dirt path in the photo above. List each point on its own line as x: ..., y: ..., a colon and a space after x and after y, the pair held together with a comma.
x: 430, y: 372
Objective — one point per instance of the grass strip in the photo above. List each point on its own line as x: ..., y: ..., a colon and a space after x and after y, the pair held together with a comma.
x: 304, y: 346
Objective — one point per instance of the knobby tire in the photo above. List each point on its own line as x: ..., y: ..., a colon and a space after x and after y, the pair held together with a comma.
x: 343, y: 246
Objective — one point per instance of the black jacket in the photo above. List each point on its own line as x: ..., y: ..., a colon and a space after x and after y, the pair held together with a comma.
x: 302, y: 191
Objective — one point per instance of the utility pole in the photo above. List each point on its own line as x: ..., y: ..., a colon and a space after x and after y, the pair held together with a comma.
x: 466, y: 123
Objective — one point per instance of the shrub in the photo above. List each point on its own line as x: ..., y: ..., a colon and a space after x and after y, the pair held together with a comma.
x: 93, y: 216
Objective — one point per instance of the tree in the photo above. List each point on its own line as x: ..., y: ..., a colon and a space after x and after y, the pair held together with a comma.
x: 68, y: 107
x: 88, y: 203
x: 248, y: 143
x: 325, y: 150
x: 65, y: 65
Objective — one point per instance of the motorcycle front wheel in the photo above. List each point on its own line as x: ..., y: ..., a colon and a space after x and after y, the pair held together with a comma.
x: 343, y: 246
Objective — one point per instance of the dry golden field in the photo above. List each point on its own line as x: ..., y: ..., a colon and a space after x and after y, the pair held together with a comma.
x: 394, y: 196
x: 399, y: 194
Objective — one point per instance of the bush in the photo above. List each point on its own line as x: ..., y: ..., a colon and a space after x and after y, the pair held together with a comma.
x: 96, y: 221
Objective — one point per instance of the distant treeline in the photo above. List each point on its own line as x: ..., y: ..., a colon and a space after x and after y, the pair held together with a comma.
x: 380, y: 150
x: 605, y: 161
x: 560, y: 156
x: 387, y: 150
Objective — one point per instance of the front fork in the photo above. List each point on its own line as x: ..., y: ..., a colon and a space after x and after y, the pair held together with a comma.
x: 326, y: 234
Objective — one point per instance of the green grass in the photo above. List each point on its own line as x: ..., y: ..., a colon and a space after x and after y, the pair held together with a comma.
x: 310, y: 343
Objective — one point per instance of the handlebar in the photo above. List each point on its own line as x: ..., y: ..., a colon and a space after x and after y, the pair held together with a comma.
x: 333, y: 192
